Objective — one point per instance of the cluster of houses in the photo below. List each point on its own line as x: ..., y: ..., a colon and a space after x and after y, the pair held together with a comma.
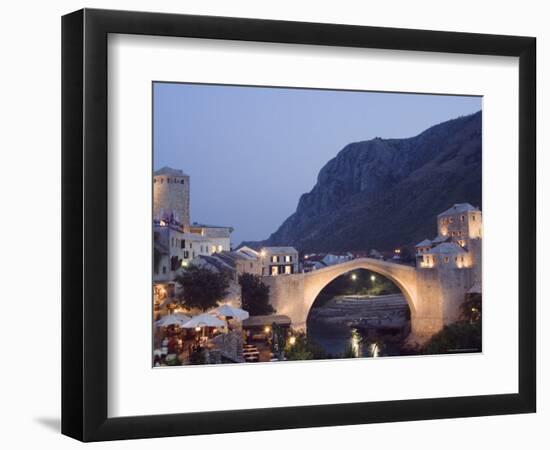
x: 458, y: 241
x: 178, y: 242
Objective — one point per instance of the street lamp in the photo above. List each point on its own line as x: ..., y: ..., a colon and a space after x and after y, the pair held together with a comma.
x: 353, y: 277
x: 372, y: 278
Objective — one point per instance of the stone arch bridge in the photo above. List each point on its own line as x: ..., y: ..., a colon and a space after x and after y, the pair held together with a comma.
x: 434, y: 300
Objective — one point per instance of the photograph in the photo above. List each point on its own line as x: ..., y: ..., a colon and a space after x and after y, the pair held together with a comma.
x: 294, y: 224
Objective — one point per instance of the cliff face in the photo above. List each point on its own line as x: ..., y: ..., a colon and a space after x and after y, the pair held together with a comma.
x: 385, y: 193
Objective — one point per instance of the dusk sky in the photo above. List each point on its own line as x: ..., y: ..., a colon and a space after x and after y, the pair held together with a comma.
x: 251, y: 152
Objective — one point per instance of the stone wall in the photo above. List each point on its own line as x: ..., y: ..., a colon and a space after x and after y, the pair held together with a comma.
x: 171, y: 193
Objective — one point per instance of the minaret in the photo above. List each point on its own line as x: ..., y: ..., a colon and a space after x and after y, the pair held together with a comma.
x: 171, y: 196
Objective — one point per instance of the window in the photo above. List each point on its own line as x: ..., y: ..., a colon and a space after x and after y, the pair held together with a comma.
x: 251, y: 265
x: 446, y: 259
x: 172, y: 240
x: 274, y: 270
x: 288, y: 258
x: 288, y: 270
x: 186, y: 254
x: 274, y: 259
x: 462, y: 218
x: 450, y: 220
x: 164, y: 269
x: 161, y: 180
x: 182, y: 243
x: 213, y: 249
x: 220, y: 248
x: 154, y: 180
x: 182, y: 181
x: 474, y: 217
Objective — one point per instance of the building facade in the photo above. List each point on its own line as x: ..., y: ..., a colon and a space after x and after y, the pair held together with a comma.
x: 458, y: 241
x: 219, y: 237
x: 279, y: 261
x: 177, y: 242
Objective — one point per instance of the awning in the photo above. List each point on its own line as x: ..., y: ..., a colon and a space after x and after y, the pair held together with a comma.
x: 262, y: 321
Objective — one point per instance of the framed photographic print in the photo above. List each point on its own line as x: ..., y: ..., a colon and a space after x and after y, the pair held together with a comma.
x: 273, y: 224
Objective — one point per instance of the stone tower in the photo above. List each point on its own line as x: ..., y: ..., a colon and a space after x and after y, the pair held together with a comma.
x: 171, y: 196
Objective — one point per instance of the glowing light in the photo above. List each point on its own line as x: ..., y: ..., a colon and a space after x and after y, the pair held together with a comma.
x: 354, y: 343
x: 292, y: 340
x: 306, y: 256
x: 197, y: 328
x: 184, y: 264
x: 262, y: 253
x: 267, y: 329
x: 374, y: 350
x: 372, y: 278
x: 397, y: 251
x: 353, y: 277
x: 162, y: 223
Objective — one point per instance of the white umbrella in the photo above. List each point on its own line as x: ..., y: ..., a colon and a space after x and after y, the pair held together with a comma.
x: 204, y: 320
x: 230, y: 311
x: 172, y: 319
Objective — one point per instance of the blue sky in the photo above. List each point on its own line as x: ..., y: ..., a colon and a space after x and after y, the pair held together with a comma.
x: 252, y: 151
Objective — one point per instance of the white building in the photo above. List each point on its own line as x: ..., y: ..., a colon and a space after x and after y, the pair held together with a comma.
x: 175, y: 249
x: 329, y: 259
x: 219, y: 237
x: 176, y: 241
x: 275, y: 260
x: 279, y: 261
x: 458, y: 242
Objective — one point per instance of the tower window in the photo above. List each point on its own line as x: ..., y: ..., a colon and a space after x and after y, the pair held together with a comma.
x: 161, y: 180
x: 462, y: 218
x: 446, y: 259
x: 182, y: 181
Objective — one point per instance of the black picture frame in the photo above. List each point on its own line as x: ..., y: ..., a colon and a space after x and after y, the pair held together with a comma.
x: 84, y: 224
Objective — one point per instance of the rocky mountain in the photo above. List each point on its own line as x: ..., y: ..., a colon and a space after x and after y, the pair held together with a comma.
x: 385, y: 193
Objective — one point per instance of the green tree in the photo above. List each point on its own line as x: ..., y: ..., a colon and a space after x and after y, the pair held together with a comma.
x: 254, y: 295
x: 457, y: 337
x: 303, y: 349
x: 470, y: 309
x: 202, y: 288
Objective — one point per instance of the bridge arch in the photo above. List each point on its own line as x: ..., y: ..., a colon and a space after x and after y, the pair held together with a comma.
x: 403, y: 276
x: 293, y: 295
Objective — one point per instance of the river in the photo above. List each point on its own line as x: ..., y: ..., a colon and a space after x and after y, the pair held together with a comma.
x: 363, y: 325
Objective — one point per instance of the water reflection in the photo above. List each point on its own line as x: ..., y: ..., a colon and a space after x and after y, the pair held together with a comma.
x: 347, y: 327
